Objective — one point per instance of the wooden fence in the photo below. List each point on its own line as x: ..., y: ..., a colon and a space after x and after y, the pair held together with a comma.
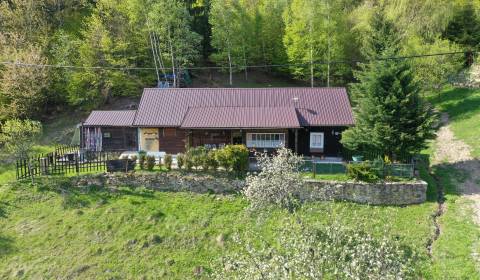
x: 65, y: 160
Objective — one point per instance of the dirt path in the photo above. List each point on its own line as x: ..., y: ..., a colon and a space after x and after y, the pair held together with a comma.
x: 455, y: 152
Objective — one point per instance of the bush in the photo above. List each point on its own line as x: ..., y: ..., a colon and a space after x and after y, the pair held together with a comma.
x: 222, y: 157
x: 278, y: 181
x: 362, y: 172
x: 180, y: 161
x: 142, y: 155
x: 150, y: 164
x: 188, y: 163
x: 211, y: 160
x: 197, y: 156
x: 168, y: 161
x: 233, y: 157
x: 239, y: 157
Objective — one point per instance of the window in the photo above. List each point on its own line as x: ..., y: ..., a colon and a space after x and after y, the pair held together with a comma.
x: 316, y: 140
x: 265, y: 140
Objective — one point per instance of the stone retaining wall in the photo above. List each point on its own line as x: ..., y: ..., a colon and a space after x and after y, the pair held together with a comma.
x: 390, y: 193
x: 168, y: 181
x: 398, y: 193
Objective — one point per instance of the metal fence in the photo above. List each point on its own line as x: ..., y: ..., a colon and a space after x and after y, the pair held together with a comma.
x: 326, y: 168
x: 62, y: 162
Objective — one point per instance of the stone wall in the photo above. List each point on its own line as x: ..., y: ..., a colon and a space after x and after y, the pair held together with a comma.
x: 385, y: 193
x: 164, y: 181
x: 399, y: 193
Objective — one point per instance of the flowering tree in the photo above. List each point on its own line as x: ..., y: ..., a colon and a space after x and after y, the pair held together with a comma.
x: 277, y: 181
x: 331, y: 252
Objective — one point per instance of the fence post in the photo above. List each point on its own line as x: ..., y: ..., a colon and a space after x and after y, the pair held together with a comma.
x: 314, y: 169
x: 77, y: 166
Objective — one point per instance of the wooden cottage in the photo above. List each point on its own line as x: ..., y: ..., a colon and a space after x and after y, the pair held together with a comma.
x: 307, y: 120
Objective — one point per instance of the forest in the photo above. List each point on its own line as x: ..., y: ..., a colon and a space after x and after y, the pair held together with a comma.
x: 63, y: 54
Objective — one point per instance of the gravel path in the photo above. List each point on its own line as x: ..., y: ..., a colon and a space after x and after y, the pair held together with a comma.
x: 453, y: 151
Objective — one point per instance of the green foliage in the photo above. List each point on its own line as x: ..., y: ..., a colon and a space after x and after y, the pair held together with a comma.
x: 197, y: 156
x: 168, y: 161
x: 239, y: 155
x: 18, y: 137
x: 362, y: 172
x: 233, y: 157
x: 142, y: 156
x: 211, y: 160
x: 150, y: 163
x: 464, y: 27
x: 180, y: 160
x: 223, y: 159
x: 391, y: 117
x: 316, y: 31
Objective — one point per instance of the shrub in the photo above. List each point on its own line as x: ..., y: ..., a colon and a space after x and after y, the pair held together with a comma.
x: 168, y: 161
x: 180, y: 161
x: 277, y: 182
x: 197, y: 156
x: 150, y: 164
x: 362, y: 172
x: 142, y: 155
x: 239, y: 157
x: 222, y: 156
x: 211, y: 160
x: 188, y: 163
x: 233, y: 157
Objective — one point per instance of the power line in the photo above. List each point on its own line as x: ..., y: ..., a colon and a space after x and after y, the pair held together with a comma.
x: 316, y: 62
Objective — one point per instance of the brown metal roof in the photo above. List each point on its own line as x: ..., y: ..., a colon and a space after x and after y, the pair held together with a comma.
x: 110, y: 118
x: 314, y: 106
x: 241, y: 117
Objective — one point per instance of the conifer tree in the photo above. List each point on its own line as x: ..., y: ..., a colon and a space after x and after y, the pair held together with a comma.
x: 391, y: 118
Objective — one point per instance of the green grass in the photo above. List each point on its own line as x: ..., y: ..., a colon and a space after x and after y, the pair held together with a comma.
x: 135, y: 233
x: 7, y: 168
x: 460, y: 237
x: 327, y: 177
x: 463, y: 107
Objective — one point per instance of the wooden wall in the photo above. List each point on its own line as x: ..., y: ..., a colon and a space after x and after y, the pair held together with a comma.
x: 172, y: 140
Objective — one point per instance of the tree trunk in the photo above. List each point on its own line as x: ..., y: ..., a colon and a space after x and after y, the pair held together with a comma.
x: 230, y: 66
x: 154, y: 57
x: 311, y: 67
x: 173, y: 60
x: 245, y: 64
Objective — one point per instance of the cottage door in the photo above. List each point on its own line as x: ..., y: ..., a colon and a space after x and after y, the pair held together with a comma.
x: 149, y: 139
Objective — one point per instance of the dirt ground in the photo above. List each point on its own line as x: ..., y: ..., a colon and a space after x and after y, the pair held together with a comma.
x: 456, y: 152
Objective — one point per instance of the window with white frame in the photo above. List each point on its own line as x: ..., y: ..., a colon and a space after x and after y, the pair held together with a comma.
x: 265, y: 140
x: 316, y: 140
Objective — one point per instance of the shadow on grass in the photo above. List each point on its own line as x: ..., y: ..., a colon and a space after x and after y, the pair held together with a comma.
x: 455, y: 178
x: 86, y: 196
x: 6, y: 246
x: 458, y: 102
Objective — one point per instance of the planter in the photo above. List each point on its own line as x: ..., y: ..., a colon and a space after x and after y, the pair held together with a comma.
x: 120, y: 165
x: 357, y: 158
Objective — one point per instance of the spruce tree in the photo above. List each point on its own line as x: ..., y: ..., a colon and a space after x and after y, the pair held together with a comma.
x: 391, y: 118
x: 464, y: 28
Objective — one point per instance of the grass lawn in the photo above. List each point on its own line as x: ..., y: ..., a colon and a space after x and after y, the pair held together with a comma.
x: 459, y: 240
x: 460, y: 237
x: 134, y: 233
x: 7, y: 167
x: 463, y: 107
